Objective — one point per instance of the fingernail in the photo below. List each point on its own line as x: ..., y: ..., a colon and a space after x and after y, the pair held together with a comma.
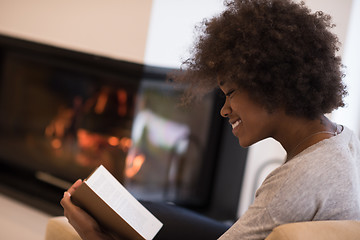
x: 67, y: 194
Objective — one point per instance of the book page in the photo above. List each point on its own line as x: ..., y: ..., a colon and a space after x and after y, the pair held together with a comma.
x: 108, y: 188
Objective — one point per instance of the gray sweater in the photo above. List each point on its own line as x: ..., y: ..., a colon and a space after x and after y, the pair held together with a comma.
x: 320, y: 183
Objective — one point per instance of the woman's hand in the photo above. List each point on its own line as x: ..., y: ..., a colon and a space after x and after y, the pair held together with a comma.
x: 83, y: 223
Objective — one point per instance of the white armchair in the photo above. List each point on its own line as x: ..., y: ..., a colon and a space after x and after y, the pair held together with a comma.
x: 58, y: 228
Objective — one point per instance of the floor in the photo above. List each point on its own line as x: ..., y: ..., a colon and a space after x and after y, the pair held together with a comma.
x: 19, y: 221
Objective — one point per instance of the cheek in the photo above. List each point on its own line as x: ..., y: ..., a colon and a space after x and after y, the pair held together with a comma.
x: 255, y: 126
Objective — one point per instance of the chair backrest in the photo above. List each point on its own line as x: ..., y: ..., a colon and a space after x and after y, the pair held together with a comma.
x: 58, y: 228
x: 317, y: 230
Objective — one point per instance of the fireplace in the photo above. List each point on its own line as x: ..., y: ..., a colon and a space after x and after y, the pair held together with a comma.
x: 64, y: 112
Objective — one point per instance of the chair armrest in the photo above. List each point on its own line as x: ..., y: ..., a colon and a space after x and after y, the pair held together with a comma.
x: 317, y: 230
x: 58, y: 228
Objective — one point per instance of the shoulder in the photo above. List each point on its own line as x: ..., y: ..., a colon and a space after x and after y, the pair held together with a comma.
x: 301, y: 188
x: 329, y: 156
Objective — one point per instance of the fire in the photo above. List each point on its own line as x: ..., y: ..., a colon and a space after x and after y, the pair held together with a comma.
x: 69, y: 137
x: 61, y: 122
x: 102, y: 101
x: 133, y: 164
x: 56, y: 143
x: 113, y: 141
x: 122, y: 100
x: 88, y: 140
x: 125, y: 144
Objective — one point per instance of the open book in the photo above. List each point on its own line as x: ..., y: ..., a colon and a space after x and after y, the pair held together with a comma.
x: 103, y: 197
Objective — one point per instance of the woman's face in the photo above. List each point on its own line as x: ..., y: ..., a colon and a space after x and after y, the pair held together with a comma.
x: 250, y: 121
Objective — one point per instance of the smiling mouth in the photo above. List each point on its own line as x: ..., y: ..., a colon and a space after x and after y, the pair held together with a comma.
x: 235, y: 124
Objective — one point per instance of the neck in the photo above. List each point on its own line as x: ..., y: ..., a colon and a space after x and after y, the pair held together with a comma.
x: 299, y: 134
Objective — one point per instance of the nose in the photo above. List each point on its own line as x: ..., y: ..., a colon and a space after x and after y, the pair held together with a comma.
x: 226, y: 109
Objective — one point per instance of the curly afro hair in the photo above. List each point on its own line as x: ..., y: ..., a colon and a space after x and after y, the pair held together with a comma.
x: 283, y: 55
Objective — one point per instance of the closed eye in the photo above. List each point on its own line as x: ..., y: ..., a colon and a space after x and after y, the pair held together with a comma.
x: 228, y: 94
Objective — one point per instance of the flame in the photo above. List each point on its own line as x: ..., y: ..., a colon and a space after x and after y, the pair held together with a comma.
x: 122, y: 100
x: 102, y: 101
x: 125, y: 144
x: 56, y: 143
x: 58, y: 126
x: 84, y: 139
x: 133, y: 164
x: 113, y: 141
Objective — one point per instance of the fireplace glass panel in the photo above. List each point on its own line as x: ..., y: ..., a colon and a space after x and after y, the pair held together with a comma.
x: 166, y: 159
x: 63, y: 113
x: 64, y: 120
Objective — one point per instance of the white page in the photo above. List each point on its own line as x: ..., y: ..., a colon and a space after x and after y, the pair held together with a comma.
x: 118, y: 198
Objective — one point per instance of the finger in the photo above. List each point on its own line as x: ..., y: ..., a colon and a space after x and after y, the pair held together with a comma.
x: 66, y: 201
x: 77, y: 184
x: 70, y: 210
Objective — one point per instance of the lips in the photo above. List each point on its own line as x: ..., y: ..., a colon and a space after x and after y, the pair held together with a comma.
x: 236, y: 123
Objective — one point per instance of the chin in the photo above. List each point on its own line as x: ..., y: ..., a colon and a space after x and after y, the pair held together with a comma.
x: 243, y: 143
x: 246, y: 142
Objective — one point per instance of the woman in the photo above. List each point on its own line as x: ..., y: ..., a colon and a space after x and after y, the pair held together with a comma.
x: 276, y: 63
x: 277, y: 66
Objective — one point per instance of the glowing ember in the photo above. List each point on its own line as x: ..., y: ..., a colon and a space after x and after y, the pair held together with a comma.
x: 133, y: 164
x: 56, y: 143
x: 113, y: 141
x: 122, y: 100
